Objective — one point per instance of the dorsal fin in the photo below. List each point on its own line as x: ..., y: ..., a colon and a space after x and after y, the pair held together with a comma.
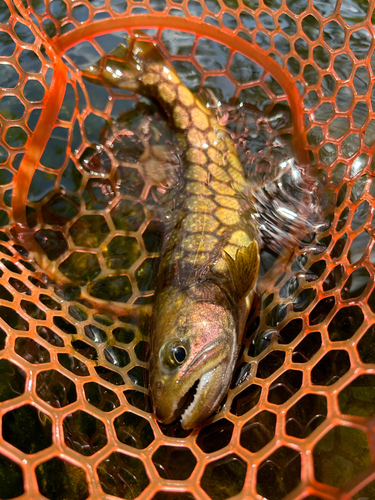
x: 243, y: 269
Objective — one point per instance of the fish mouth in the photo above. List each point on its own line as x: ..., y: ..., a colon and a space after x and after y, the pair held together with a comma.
x: 194, y: 406
x: 186, y: 401
x: 195, y: 396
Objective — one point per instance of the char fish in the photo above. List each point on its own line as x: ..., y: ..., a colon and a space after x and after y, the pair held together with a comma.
x: 210, y: 257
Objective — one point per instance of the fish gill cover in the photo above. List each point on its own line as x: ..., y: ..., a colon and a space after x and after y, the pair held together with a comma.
x: 82, y: 220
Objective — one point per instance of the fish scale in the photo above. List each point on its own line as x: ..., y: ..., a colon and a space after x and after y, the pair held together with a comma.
x: 210, y: 258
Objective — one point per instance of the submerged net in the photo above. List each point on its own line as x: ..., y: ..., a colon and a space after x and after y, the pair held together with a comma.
x: 81, y: 230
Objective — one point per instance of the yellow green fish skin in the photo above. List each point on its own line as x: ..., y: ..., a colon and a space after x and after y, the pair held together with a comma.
x: 209, y: 263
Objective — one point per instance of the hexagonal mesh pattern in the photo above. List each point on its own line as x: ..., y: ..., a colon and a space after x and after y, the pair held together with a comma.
x: 80, y: 240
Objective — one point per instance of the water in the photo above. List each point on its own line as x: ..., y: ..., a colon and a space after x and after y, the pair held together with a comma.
x: 282, y: 198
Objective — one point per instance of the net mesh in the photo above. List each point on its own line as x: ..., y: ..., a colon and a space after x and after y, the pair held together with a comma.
x: 79, y: 242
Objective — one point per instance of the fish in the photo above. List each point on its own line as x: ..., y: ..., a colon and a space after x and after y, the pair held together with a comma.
x: 210, y: 256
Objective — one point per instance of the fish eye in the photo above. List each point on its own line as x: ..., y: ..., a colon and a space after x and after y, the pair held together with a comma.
x: 174, y: 353
x: 179, y: 354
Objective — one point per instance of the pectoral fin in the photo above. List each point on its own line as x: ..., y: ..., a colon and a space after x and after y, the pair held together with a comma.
x: 244, y: 269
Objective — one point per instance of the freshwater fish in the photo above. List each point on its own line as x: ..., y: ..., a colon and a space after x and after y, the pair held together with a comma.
x: 210, y: 256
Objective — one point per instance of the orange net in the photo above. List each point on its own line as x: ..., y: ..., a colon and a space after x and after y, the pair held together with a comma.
x: 79, y: 243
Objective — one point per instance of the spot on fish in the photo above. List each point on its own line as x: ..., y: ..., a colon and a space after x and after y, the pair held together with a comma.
x: 196, y: 138
x: 227, y: 216
x: 185, y: 96
x: 218, y: 173
x: 196, y: 173
x: 196, y: 156
x: 202, y: 242
x: 201, y: 221
x: 197, y: 188
x: 198, y: 204
x: 227, y: 201
x: 221, y: 188
x: 167, y: 92
x: 180, y: 117
x: 240, y: 238
x: 150, y: 79
x: 234, y: 162
x: 199, y: 119
x: 237, y: 176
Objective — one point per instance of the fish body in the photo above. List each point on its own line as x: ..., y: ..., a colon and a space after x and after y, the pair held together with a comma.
x: 210, y: 258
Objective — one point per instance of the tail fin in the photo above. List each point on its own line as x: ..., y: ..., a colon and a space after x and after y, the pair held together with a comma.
x: 123, y: 67
x: 145, y: 53
x: 116, y: 69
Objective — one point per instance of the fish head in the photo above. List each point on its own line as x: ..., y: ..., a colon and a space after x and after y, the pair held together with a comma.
x: 194, y: 350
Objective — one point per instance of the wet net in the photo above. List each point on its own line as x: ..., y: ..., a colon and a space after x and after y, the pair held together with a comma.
x: 80, y: 239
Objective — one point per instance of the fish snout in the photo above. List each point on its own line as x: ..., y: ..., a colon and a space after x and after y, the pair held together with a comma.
x: 163, y: 408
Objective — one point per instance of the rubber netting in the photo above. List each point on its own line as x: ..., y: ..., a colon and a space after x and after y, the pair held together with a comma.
x: 79, y: 243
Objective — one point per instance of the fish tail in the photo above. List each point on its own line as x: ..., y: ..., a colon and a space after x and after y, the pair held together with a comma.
x: 125, y: 67
x: 144, y: 52
x: 117, y: 69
